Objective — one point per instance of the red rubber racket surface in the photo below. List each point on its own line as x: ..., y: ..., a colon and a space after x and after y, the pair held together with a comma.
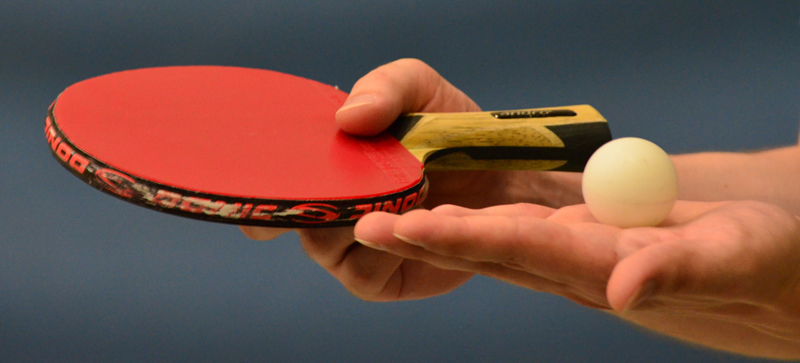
x: 233, y: 141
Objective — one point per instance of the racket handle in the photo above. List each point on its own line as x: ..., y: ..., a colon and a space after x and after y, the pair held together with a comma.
x: 560, y: 138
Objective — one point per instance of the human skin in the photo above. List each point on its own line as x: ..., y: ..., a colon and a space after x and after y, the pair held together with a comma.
x: 721, y: 271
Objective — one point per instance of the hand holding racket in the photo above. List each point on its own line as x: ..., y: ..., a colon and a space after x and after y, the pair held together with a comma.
x: 411, y: 86
x: 256, y: 147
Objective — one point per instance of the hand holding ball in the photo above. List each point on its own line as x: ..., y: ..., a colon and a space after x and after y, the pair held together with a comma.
x: 630, y: 182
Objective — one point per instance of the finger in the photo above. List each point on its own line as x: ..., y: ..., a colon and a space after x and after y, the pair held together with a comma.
x: 406, y: 85
x: 327, y: 246
x: 520, y: 209
x: 633, y: 280
x: 365, y: 272
x: 372, y: 274
x: 676, y: 270
x: 411, y: 278
x: 737, y: 255
x: 652, y: 256
x: 583, y: 255
x: 376, y: 230
x: 263, y: 233
x: 566, y: 215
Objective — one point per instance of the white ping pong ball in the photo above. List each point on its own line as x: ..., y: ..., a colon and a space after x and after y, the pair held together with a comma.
x: 630, y: 182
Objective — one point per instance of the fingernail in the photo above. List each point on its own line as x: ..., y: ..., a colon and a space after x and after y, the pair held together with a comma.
x: 369, y: 244
x: 358, y: 101
x: 406, y: 239
x: 645, y: 292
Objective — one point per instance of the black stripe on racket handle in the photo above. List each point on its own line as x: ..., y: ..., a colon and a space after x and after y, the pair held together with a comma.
x: 580, y: 140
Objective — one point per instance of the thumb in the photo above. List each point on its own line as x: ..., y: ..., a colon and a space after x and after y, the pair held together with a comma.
x: 682, y: 268
x: 406, y: 85
x: 660, y: 268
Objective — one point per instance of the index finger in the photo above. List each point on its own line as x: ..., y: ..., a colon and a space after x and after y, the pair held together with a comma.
x: 582, y: 252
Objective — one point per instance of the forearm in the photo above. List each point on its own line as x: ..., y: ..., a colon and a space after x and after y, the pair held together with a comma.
x: 769, y: 176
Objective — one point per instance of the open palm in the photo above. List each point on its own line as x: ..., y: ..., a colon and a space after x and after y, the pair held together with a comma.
x: 721, y: 274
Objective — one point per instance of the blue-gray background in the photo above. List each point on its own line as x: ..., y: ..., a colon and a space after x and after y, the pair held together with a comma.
x: 85, y: 277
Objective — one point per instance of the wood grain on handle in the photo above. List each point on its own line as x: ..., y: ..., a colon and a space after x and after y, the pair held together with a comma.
x: 560, y: 138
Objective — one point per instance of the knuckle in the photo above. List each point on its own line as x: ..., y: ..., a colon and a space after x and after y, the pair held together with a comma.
x: 360, y: 274
x: 363, y: 284
x: 249, y: 232
x: 412, y: 63
x: 448, y: 209
x: 526, y: 209
x: 262, y: 233
x: 328, y: 247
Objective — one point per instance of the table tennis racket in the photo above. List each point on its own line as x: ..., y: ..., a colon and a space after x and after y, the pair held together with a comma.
x: 258, y: 147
